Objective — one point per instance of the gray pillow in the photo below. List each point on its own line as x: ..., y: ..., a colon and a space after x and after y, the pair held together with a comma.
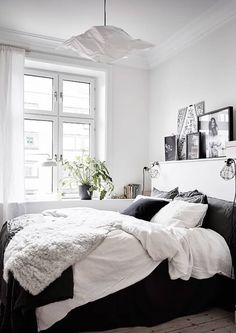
x: 192, y: 196
x: 165, y: 194
x: 219, y: 218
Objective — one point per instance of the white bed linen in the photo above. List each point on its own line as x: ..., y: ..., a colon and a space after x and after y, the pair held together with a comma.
x: 121, y: 261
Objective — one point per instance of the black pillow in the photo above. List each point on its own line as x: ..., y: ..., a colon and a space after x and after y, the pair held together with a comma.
x: 165, y: 194
x: 192, y: 196
x: 219, y: 217
x: 144, y: 209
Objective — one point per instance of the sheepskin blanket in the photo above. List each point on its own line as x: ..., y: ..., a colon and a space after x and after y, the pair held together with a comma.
x: 45, y: 245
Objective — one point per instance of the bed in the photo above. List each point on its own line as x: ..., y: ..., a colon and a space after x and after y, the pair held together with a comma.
x: 127, y: 274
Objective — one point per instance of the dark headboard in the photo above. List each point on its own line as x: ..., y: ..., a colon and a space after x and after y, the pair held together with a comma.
x: 219, y: 219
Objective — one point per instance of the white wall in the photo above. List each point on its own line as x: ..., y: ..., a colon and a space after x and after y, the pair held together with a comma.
x: 199, y: 174
x: 129, y: 125
x: 205, y: 71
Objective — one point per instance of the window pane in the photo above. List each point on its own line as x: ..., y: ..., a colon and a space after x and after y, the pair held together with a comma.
x: 38, y: 145
x: 38, y: 93
x: 75, y: 143
x: 76, y: 97
x: 75, y: 140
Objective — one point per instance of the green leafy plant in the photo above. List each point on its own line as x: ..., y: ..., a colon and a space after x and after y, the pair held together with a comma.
x: 86, y: 170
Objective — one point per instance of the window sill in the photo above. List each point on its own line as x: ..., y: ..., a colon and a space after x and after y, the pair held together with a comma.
x: 37, y: 206
x: 53, y: 199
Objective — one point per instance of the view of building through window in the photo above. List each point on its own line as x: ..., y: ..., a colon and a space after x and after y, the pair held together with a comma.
x: 75, y: 140
x: 76, y: 97
x: 38, y: 146
x: 38, y: 92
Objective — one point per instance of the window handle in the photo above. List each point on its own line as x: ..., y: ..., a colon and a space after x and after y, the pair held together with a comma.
x: 61, y: 96
x: 60, y: 159
x: 55, y: 95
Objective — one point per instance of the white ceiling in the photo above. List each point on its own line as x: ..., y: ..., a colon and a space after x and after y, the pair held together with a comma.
x: 156, y: 21
x: 153, y: 20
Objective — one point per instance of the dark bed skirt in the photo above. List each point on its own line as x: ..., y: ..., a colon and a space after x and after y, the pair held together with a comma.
x: 149, y: 302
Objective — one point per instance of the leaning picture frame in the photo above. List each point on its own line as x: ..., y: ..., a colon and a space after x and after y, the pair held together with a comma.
x: 193, y: 143
x: 170, y: 148
x: 216, y: 128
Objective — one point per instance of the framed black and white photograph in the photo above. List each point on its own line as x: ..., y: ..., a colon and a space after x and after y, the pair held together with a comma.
x: 187, y: 122
x: 217, y: 127
x: 171, y: 148
x: 200, y: 108
x: 193, y: 141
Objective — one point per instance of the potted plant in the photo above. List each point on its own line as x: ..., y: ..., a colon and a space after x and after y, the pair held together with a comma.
x: 90, y: 175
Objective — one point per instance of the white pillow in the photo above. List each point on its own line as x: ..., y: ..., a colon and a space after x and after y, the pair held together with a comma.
x: 153, y: 198
x: 181, y: 213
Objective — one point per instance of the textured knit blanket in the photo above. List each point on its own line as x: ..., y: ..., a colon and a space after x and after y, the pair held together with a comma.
x: 45, y: 245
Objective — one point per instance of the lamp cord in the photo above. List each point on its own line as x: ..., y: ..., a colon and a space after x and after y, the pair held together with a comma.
x: 105, y: 12
x: 231, y: 239
x: 144, y: 169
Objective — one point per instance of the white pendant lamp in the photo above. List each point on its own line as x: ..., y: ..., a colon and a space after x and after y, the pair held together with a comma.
x: 105, y: 43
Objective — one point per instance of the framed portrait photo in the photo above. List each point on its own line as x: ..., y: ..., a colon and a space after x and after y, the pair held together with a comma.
x: 193, y: 141
x: 217, y: 128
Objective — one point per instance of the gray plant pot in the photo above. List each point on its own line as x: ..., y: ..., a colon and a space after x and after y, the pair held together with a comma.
x: 84, y: 192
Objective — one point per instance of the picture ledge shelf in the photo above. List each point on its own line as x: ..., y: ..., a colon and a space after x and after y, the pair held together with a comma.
x: 195, y: 160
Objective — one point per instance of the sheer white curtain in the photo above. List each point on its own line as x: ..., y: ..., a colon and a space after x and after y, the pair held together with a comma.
x: 11, y: 128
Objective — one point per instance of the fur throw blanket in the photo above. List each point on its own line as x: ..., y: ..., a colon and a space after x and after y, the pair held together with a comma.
x: 45, y: 245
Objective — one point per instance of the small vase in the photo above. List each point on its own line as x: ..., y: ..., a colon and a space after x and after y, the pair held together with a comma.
x: 84, y: 192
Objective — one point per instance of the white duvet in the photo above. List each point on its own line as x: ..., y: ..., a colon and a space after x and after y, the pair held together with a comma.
x: 130, y: 253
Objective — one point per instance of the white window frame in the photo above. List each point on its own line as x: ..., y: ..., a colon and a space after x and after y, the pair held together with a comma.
x: 50, y: 75
x: 76, y: 121
x: 57, y: 116
x: 77, y: 78
x: 54, y: 121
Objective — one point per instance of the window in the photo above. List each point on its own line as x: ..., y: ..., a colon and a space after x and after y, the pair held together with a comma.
x: 76, y: 97
x: 75, y: 139
x: 38, y: 93
x: 38, y: 143
x: 59, y: 122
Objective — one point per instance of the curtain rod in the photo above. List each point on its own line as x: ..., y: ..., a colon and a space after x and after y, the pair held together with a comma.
x: 27, y: 50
